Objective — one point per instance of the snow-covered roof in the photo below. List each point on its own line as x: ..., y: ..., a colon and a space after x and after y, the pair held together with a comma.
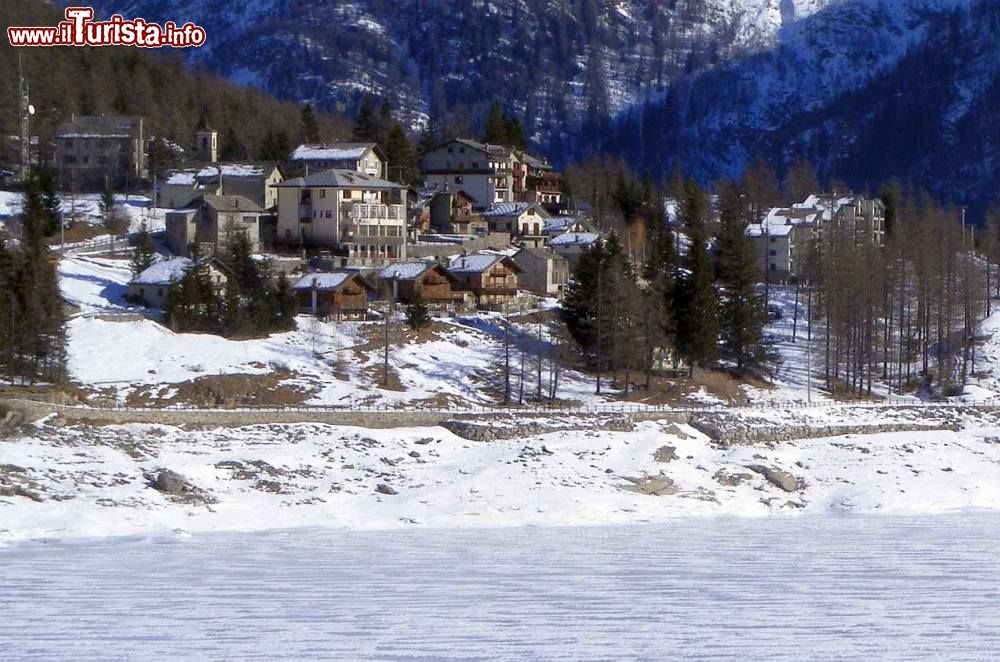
x: 181, y: 178
x: 164, y: 272
x: 322, y: 281
x: 780, y: 221
x: 231, y: 170
x: 560, y: 224
x: 405, y: 270
x: 507, y: 209
x: 473, y: 264
x: 574, y: 239
x: 331, y: 152
x: 339, y: 178
x: 100, y: 126
x: 763, y: 229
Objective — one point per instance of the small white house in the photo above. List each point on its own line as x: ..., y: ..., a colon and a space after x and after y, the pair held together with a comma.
x: 150, y: 287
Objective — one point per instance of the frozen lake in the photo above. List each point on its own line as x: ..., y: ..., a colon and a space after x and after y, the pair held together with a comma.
x: 795, y: 588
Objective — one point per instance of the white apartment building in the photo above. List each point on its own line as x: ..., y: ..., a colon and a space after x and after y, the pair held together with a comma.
x: 362, y: 216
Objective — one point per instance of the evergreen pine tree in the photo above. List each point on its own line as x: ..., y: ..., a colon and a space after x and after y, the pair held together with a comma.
x: 429, y: 137
x: 742, y: 320
x: 696, y: 303
x: 308, y: 126
x: 366, y: 124
x: 50, y: 203
x: 144, y: 255
x: 400, y: 157
x: 495, y: 132
x: 417, y: 314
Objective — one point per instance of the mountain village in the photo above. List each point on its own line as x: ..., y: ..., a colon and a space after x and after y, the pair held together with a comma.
x: 490, y: 228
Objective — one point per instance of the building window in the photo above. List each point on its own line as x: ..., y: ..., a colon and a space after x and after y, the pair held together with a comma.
x: 459, y: 180
x: 774, y: 253
x: 475, y: 164
x: 322, y: 193
x: 451, y: 150
x: 774, y: 267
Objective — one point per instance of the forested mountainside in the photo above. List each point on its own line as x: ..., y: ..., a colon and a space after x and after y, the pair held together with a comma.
x: 867, y: 89
x: 551, y: 62
x: 914, y: 95
x: 157, y: 85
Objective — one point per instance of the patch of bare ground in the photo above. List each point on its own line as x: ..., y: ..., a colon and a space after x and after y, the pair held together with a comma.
x: 77, y: 232
x: 238, y: 390
x: 386, y: 380
x: 678, y: 388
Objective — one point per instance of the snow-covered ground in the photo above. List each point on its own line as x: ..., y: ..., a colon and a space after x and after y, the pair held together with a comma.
x: 336, y: 364
x: 95, y: 481
x: 86, y: 208
x: 816, y: 588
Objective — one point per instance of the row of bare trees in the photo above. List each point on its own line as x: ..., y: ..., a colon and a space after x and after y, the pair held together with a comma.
x: 900, y: 310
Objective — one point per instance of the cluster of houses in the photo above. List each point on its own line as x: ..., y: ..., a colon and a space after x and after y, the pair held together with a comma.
x: 490, y: 223
x: 784, y: 234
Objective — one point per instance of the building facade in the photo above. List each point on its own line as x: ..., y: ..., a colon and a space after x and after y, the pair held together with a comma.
x: 92, y: 149
x: 363, y: 216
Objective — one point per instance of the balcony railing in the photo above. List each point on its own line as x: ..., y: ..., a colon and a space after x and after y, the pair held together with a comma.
x: 375, y: 212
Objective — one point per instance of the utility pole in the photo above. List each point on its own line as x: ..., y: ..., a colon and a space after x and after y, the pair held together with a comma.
x: 26, y: 110
x: 385, y: 364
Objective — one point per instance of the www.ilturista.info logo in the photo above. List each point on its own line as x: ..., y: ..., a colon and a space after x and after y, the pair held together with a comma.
x: 79, y: 29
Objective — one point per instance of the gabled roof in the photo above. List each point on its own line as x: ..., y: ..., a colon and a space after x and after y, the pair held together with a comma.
x: 490, y: 149
x: 335, y: 151
x: 340, y: 178
x: 164, y: 272
x: 540, y: 253
x: 328, y: 282
x: 210, y: 174
x: 230, y: 203
x: 479, y: 263
x: 411, y: 270
x: 560, y: 224
x: 534, y: 161
x: 574, y: 239
x: 511, y: 209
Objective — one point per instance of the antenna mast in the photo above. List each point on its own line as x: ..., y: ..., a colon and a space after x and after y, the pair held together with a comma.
x: 24, y: 110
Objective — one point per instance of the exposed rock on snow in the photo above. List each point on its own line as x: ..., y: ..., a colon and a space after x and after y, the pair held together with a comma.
x: 731, y: 479
x: 776, y: 477
x: 176, y: 486
x: 665, y: 454
x: 651, y: 485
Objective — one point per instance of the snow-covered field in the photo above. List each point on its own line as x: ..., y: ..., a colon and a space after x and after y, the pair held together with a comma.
x: 336, y: 364
x: 97, y: 481
x: 86, y: 208
x: 810, y: 588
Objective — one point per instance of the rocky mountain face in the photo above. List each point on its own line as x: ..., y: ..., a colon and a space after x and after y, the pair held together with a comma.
x: 868, y: 89
x: 552, y: 61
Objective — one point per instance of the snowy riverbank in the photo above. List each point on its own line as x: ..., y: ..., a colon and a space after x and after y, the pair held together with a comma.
x: 82, y: 481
